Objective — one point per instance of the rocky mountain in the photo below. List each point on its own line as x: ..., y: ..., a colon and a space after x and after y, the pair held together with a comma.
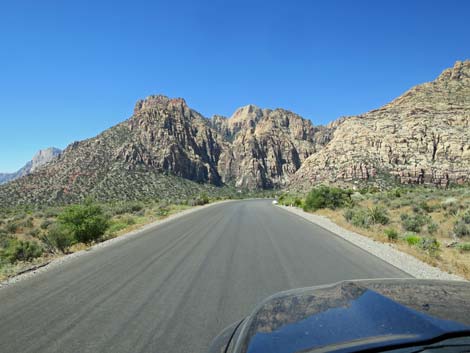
x: 40, y: 158
x: 168, y: 149
x: 422, y: 136
x: 266, y: 146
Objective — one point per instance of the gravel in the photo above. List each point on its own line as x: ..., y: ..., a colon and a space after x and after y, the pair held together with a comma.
x: 385, y: 251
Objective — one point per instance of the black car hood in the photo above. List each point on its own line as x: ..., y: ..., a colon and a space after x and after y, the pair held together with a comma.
x: 356, y: 315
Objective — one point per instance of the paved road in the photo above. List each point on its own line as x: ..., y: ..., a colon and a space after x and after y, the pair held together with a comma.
x: 175, y: 287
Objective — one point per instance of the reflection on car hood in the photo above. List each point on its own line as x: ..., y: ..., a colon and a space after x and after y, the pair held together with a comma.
x: 356, y: 314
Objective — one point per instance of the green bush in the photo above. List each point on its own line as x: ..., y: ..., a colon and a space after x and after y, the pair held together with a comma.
x: 129, y: 220
x: 86, y: 222
x: 463, y: 247
x: 430, y: 245
x: 415, y: 222
x: 27, y: 223
x: 45, y: 224
x: 59, y: 238
x: 327, y: 197
x: 163, y: 211
x: 426, y: 207
x: 461, y: 229
x: 361, y: 218
x: 126, y: 207
x: 432, y: 228
x: 391, y: 234
x: 34, y: 232
x: 348, y: 214
x: 12, y: 226
x: 116, y: 227
x: 204, y: 199
x: 21, y: 250
x: 465, y: 218
x: 412, y: 239
x: 378, y: 215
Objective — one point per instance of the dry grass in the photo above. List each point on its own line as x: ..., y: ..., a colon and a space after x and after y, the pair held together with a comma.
x: 448, y: 258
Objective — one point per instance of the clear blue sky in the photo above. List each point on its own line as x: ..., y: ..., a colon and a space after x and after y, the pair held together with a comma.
x: 69, y: 69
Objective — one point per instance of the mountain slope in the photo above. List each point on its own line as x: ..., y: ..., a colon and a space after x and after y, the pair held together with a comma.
x: 421, y: 137
x: 166, y: 149
x: 40, y: 158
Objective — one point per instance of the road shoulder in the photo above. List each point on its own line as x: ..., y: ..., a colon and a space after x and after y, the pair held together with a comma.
x: 386, y: 252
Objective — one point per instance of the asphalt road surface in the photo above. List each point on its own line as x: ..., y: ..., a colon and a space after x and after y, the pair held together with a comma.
x: 175, y: 287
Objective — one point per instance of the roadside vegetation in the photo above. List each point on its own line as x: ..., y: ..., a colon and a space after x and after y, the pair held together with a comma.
x: 430, y: 224
x: 32, y: 236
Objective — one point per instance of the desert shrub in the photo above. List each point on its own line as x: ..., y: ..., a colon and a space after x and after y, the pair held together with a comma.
x: 204, y: 199
x: 34, y: 232
x: 298, y: 202
x: 21, y: 250
x: 12, y: 227
x: 3, y: 233
x: 86, y: 222
x: 27, y: 223
x: 126, y: 207
x: 326, y: 197
x: 129, y: 220
x: 391, y: 234
x: 395, y: 193
x: 414, y: 223
x: 463, y: 247
x: 430, y: 245
x: 357, y: 196
x: 432, y: 228
x: 51, y: 213
x: 461, y: 229
x: 116, y: 227
x: 361, y: 218
x: 163, y: 211
x: 45, y: 224
x: 465, y: 217
x: 378, y: 215
x: 348, y: 214
x: 19, y: 217
x: 59, y: 238
x: 412, y: 239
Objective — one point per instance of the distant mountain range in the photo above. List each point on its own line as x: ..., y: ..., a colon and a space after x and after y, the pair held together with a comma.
x: 40, y: 158
x: 166, y: 148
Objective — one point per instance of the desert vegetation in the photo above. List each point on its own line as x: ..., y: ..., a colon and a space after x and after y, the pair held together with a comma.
x: 428, y: 223
x: 31, y: 236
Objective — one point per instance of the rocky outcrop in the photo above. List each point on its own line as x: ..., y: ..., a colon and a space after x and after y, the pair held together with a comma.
x: 256, y: 148
x: 267, y: 146
x: 422, y: 137
x: 167, y: 148
x: 41, y: 158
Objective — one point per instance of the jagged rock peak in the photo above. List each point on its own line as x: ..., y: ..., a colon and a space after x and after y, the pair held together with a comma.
x: 44, y: 156
x: 158, y: 101
x: 460, y: 72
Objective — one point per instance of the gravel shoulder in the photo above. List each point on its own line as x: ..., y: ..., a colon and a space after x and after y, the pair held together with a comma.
x: 97, y: 247
x: 386, y: 252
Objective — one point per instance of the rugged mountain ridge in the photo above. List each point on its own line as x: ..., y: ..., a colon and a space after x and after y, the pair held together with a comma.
x: 166, y: 149
x: 165, y: 139
x: 421, y: 137
x: 40, y: 158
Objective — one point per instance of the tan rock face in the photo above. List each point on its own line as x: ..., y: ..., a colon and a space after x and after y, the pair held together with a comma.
x: 267, y: 146
x: 421, y: 137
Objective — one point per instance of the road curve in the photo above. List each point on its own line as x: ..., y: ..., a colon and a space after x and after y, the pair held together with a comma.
x: 173, y: 288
